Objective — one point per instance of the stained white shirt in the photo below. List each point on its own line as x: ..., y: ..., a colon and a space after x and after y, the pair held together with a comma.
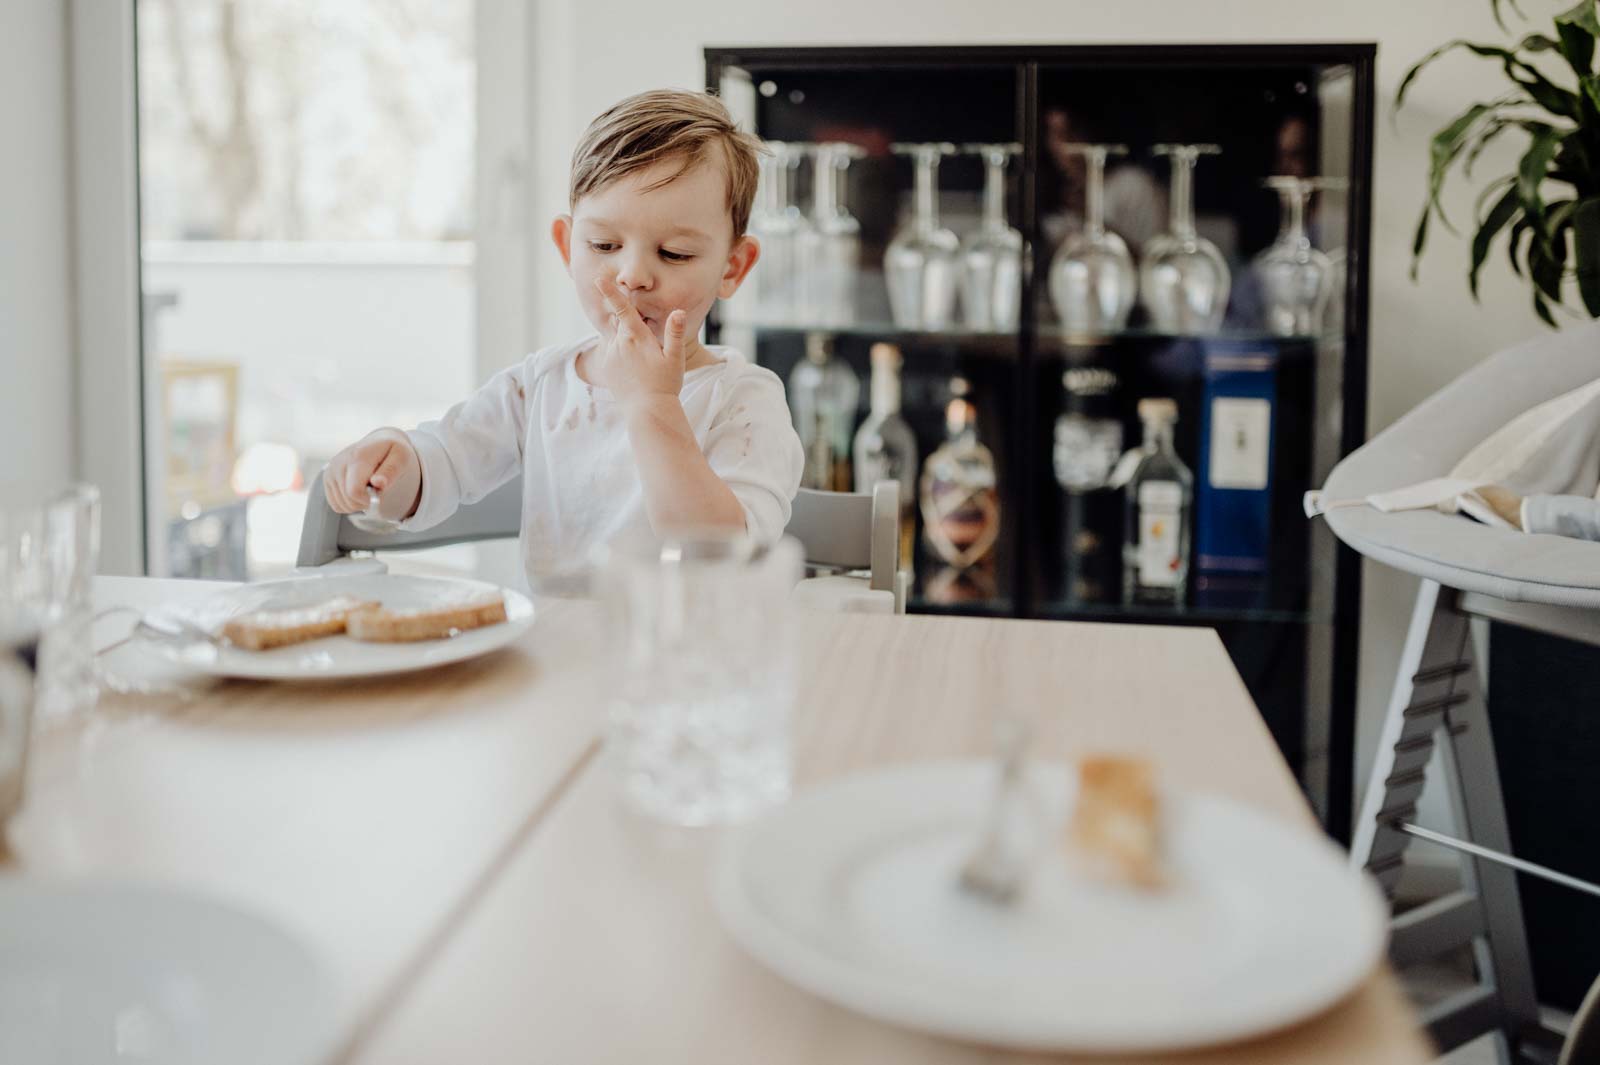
x: 568, y: 441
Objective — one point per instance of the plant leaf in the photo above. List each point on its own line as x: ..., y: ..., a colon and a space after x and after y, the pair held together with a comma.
x: 1531, y: 172
x: 1488, y: 51
x: 1499, y: 184
x: 1578, y: 29
x: 1586, y: 245
x: 1501, y: 213
x: 1542, y: 309
x: 1494, y: 5
x: 1545, y: 266
x: 1519, y: 229
x: 1536, y: 42
x: 1446, y: 146
x: 1419, y: 240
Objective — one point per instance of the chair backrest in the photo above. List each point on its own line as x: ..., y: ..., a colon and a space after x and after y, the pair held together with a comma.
x: 842, y: 530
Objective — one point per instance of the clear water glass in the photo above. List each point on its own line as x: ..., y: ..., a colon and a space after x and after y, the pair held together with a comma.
x: 51, y: 548
x: 698, y: 730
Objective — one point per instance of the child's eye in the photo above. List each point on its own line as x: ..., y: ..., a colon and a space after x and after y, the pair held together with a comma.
x: 674, y: 256
x: 602, y: 246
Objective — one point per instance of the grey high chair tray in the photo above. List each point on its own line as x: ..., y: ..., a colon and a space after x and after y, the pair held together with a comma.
x: 1455, y: 551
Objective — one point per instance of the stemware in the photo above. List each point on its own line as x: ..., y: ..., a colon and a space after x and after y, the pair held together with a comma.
x: 1295, y: 277
x: 1183, y: 278
x: 921, y: 263
x: 1092, y: 281
x: 830, y: 247
x: 991, y: 258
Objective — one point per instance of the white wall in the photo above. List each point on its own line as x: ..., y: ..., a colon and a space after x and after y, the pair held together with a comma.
x: 36, y: 375
x: 1423, y: 335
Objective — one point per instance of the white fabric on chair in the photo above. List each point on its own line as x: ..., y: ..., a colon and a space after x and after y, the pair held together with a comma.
x: 1529, y: 418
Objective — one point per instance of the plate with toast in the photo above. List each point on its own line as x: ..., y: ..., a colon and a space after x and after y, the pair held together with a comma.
x: 1152, y: 920
x: 350, y: 625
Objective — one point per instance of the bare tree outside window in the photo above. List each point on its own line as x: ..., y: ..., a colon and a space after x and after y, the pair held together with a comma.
x: 290, y: 120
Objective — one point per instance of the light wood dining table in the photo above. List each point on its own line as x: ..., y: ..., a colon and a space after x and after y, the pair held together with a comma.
x: 449, y: 845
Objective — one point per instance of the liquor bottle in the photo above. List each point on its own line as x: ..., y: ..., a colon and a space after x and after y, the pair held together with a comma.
x: 1155, y: 547
x: 1088, y: 444
x: 1233, y: 497
x: 823, y: 393
x: 885, y: 447
x: 960, y: 496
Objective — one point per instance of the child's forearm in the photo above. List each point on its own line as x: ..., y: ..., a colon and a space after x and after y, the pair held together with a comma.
x: 680, y: 488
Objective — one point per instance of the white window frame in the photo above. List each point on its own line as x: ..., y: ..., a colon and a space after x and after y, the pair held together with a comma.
x: 113, y: 398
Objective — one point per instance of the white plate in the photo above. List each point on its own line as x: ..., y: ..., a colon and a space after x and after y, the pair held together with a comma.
x: 340, y: 656
x: 850, y: 892
x: 101, y: 973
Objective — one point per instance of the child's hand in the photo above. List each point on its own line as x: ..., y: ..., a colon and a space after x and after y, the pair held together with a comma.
x: 632, y: 364
x: 384, y: 459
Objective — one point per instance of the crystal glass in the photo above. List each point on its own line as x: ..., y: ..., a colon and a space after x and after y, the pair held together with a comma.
x: 960, y: 490
x: 830, y: 247
x: 774, y: 279
x: 823, y: 394
x: 24, y: 606
x: 885, y: 446
x: 1159, y: 500
x: 921, y: 263
x: 991, y: 258
x: 1092, y: 281
x: 698, y: 724
x: 1295, y: 277
x: 1183, y: 278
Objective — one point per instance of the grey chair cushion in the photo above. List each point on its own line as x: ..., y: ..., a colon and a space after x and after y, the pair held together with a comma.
x: 1430, y: 440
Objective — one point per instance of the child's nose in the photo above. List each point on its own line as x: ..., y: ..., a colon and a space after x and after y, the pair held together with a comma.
x: 634, y: 272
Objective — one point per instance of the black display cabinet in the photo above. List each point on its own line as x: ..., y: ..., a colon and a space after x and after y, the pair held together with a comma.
x: 1288, y: 608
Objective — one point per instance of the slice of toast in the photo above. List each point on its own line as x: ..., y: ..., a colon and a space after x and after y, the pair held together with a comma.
x: 1116, y: 822
x: 266, y: 629
x: 380, y: 625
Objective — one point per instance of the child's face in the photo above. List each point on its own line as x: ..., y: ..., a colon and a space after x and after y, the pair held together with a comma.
x: 670, y: 248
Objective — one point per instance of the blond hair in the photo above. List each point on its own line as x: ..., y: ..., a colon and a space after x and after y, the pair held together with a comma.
x: 662, y: 124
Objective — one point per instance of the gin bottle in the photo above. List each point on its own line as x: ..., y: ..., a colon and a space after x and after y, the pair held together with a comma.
x: 886, y: 448
x: 823, y: 393
x: 1159, y: 494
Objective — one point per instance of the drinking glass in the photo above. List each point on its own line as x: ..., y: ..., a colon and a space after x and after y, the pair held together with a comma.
x: 1296, y: 278
x: 1183, y: 279
x: 24, y: 597
x: 991, y: 258
x: 698, y: 730
x: 51, y: 548
x: 1092, y: 282
x: 830, y: 249
x: 772, y: 224
x: 921, y: 262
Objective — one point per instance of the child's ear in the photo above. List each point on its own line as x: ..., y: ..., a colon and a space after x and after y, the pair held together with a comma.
x: 746, y: 250
x: 561, y: 233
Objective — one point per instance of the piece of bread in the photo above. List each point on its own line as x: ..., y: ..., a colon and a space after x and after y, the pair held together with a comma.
x: 265, y: 629
x: 380, y: 625
x: 1116, y: 822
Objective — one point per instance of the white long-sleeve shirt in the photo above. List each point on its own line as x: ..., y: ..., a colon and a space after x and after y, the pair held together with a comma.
x: 569, y: 442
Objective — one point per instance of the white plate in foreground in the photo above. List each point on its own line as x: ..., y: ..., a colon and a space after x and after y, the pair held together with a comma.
x: 92, y: 974
x: 850, y: 892
x: 340, y: 656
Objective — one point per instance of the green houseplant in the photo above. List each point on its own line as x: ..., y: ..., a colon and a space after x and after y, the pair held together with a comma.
x: 1551, y: 203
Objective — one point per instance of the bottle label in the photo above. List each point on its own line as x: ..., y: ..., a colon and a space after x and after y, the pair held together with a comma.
x: 1160, y: 526
x: 1241, y: 431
